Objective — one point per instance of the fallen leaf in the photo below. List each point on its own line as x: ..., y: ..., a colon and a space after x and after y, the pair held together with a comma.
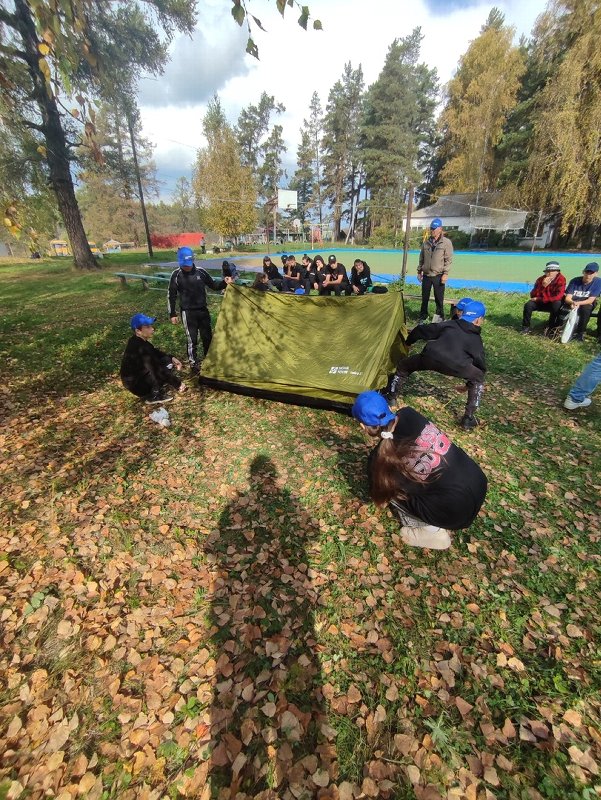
x: 269, y: 709
x: 572, y: 718
x: 463, y: 706
x: 583, y: 759
x: 321, y: 777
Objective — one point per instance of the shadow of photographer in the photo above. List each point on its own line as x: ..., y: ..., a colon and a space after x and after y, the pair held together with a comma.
x: 267, y: 707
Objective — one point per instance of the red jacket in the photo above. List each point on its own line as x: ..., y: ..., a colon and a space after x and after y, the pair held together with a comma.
x: 549, y: 294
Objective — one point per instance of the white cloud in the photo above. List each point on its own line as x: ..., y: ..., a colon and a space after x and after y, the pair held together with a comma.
x: 294, y: 63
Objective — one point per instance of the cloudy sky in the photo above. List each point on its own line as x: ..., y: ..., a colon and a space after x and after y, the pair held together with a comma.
x: 294, y: 63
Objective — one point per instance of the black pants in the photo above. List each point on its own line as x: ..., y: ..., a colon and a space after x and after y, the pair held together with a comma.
x: 584, y: 314
x: 337, y: 290
x: 421, y: 362
x: 197, y: 321
x: 153, y: 380
x: 432, y: 282
x: 538, y: 305
x: 290, y: 285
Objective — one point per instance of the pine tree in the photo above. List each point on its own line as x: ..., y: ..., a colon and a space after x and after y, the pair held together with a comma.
x: 314, y: 126
x: 270, y: 171
x: 480, y: 97
x: 303, y: 180
x: 398, y: 128
x: 253, y: 124
x: 341, y: 139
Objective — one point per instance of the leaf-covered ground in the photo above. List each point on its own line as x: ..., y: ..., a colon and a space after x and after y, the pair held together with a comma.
x: 216, y: 610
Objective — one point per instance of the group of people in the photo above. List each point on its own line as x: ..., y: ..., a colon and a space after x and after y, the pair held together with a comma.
x: 315, y: 274
x: 550, y: 295
x: 431, y: 485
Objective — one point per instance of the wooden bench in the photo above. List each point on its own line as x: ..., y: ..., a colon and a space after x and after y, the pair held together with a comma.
x: 430, y: 300
x: 146, y: 279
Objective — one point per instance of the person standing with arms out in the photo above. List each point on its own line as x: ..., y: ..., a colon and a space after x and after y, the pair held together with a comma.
x: 190, y: 282
x: 433, y: 487
x: 435, y: 260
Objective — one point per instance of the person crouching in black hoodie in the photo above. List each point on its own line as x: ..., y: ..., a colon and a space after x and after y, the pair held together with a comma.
x: 145, y: 369
x: 454, y: 348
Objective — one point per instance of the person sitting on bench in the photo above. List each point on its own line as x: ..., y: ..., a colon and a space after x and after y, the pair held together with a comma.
x: 146, y: 370
x: 546, y: 295
x: 582, y: 293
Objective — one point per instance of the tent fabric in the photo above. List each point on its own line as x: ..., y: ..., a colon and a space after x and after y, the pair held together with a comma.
x: 310, y: 350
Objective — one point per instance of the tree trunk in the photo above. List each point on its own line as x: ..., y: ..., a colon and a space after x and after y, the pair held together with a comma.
x: 57, y: 151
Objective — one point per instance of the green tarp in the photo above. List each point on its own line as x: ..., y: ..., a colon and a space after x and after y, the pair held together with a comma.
x: 312, y: 350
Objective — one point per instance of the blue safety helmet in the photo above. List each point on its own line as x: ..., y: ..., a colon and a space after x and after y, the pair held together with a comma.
x: 436, y: 223
x: 461, y: 304
x: 185, y: 257
x: 138, y: 320
x: 473, y: 311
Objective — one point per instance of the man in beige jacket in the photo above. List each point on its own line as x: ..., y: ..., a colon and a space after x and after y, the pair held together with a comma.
x: 435, y: 260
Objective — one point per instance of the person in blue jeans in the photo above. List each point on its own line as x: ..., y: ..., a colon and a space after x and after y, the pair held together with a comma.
x: 585, y: 385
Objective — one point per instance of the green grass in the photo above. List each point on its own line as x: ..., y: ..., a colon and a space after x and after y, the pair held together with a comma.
x: 238, y: 549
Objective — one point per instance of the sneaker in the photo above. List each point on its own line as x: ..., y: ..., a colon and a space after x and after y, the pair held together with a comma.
x: 525, y: 331
x: 468, y: 423
x: 158, y: 397
x: 572, y: 404
x: 426, y: 536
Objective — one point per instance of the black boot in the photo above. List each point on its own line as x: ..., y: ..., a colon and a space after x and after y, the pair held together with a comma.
x: 396, y: 384
x: 474, y: 396
x: 468, y: 423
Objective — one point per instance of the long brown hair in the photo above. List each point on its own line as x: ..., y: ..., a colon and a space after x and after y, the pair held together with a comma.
x: 391, y: 460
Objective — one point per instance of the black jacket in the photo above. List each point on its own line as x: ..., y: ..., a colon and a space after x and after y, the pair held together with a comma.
x: 361, y: 280
x: 272, y: 272
x: 143, y: 364
x: 454, y: 343
x: 191, y: 289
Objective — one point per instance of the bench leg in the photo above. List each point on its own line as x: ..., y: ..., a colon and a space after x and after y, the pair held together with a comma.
x: 145, y: 284
x: 122, y: 281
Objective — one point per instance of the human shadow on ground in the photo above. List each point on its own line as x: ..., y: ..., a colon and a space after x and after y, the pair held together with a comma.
x: 267, y: 708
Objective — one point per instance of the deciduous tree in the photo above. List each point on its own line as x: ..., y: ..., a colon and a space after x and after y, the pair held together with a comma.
x: 479, y: 99
x: 564, y: 171
x: 52, y: 50
x: 224, y: 188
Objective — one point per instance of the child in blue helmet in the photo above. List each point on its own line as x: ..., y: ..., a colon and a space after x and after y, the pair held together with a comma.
x: 432, y: 486
x: 453, y: 348
x: 146, y: 370
x: 189, y: 282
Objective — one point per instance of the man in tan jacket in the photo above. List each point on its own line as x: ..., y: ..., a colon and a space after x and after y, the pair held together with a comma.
x: 435, y: 260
